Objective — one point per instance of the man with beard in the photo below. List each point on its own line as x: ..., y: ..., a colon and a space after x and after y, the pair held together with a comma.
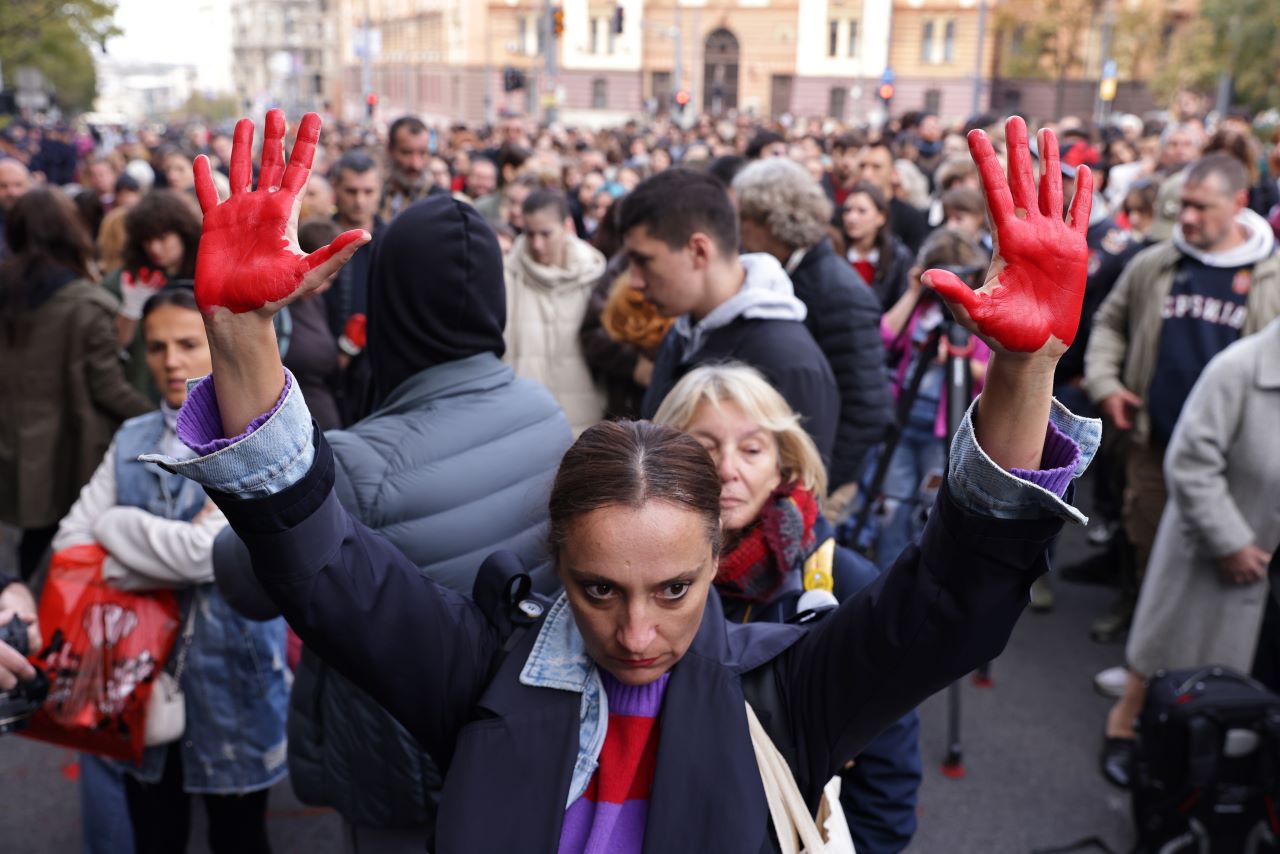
x: 408, y: 146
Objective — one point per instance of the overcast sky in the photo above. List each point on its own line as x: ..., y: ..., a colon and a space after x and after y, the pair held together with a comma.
x: 196, y: 32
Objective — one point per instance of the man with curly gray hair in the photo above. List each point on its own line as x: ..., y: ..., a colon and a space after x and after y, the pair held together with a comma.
x: 785, y: 213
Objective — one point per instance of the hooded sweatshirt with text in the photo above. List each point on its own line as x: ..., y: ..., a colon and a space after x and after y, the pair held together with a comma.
x: 1202, y: 316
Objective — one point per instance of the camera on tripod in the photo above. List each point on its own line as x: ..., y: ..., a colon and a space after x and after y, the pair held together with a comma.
x: 18, y: 703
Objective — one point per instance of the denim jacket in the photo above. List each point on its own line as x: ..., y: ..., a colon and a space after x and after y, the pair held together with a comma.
x: 278, y: 450
x: 235, y: 681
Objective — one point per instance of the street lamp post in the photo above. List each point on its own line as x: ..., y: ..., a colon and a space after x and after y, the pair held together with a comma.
x: 549, y: 43
x: 978, y: 81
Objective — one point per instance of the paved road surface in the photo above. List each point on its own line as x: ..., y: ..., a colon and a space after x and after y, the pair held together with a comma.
x: 1030, y: 748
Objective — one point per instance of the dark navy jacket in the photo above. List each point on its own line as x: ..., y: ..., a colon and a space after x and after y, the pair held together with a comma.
x: 435, y: 659
x: 844, y: 319
x: 783, y: 350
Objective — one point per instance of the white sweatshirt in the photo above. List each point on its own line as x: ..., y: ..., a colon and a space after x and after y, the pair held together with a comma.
x: 144, y: 551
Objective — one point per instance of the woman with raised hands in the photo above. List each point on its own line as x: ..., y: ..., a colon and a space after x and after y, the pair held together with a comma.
x: 614, y: 718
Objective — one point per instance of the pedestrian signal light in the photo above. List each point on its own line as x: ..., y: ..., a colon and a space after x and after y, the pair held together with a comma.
x: 370, y: 101
x: 557, y: 20
x: 682, y: 98
x: 886, y: 92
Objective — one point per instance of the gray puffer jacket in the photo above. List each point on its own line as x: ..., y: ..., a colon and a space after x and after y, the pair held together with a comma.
x: 457, y: 462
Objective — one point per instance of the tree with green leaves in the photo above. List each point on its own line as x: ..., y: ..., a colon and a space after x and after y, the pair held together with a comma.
x: 56, y: 37
x: 1236, y: 37
x: 1046, y: 40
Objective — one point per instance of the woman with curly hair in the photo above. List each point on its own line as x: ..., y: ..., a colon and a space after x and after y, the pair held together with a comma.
x: 162, y: 234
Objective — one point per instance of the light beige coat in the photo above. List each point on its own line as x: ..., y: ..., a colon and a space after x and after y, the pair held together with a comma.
x: 545, y: 307
x: 1223, y: 473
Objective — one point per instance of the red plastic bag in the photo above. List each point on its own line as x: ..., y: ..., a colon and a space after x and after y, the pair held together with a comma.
x: 103, y: 650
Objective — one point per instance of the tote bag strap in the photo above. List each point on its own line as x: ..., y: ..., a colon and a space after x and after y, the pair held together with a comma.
x: 796, y: 829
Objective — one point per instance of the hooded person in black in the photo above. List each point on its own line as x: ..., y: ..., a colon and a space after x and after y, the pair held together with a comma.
x: 456, y: 454
x: 413, y: 326
x: 415, y: 320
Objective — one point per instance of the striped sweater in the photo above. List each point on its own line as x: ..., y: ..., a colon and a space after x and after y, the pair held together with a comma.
x: 610, y: 816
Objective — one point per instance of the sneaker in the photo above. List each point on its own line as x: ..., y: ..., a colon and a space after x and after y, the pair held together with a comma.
x: 1111, y: 682
x: 1041, y: 594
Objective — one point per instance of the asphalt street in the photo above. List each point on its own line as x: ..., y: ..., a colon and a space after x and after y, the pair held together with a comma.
x: 1030, y: 744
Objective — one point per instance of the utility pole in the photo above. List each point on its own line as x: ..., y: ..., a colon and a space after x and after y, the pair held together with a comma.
x: 677, y: 39
x: 1226, y: 80
x: 1106, y: 90
x: 488, y: 67
x: 366, y: 65
x: 978, y: 71
x: 550, y: 43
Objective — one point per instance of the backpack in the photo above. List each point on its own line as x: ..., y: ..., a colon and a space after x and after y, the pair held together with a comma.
x: 1206, y: 765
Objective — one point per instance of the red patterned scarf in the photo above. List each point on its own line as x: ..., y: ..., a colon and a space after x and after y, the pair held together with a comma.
x: 754, y: 569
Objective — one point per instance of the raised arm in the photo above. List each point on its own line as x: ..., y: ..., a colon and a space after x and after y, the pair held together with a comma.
x: 419, y: 650
x: 950, y: 604
x: 1028, y: 310
x: 250, y: 264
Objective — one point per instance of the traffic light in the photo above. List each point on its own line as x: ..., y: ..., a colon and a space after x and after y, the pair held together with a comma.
x: 557, y: 21
x: 617, y: 20
x: 370, y: 102
x: 682, y: 99
x: 886, y: 93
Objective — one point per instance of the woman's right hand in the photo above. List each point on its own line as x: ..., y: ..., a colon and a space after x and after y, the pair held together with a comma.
x: 249, y: 259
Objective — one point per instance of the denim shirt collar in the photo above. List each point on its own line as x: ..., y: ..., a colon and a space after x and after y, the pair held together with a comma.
x: 559, y: 660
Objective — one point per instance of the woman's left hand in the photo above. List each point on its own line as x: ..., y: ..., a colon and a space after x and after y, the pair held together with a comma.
x: 1028, y: 309
x: 1030, y: 302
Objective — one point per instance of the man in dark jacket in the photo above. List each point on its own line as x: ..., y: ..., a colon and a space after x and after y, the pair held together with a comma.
x: 680, y: 234
x: 457, y: 455
x: 876, y: 166
x: 784, y: 213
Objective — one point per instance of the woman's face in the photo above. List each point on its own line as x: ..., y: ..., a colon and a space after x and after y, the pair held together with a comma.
x: 745, y: 454
x: 1139, y: 220
x: 164, y: 251
x: 1122, y: 152
x: 861, y: 217
x: 637, y: 581
x: 177, y: 169
x: 177, y: 350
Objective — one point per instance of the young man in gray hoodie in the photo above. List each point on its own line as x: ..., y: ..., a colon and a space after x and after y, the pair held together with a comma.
x: 680, y: 234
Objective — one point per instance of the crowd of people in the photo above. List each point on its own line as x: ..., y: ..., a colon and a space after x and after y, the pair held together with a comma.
x: 759, y: 294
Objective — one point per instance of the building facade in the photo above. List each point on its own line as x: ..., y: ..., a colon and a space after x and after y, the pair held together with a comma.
x: 284, y: 53
x: 448, y: 60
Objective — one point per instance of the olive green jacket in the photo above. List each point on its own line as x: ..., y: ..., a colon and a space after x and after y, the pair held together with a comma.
x: 63, y: 393
x: 1126, y: 330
